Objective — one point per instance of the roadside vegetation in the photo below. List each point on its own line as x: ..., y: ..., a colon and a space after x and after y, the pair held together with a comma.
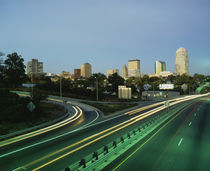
x: 14, y: 110
x: 15, y: 115
x: 108, y: 108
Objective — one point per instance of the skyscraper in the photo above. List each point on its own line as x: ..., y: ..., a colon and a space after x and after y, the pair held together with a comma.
x: 34, y: 67
x: 124, y: 71
x: 86, y: 70
x: 160, y: 66
x: 182, y: 62
x: 134, y: 68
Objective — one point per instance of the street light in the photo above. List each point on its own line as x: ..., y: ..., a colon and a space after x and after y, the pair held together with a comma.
x: 60, y: 88
x: 96, y: 88
x: 32, y: 80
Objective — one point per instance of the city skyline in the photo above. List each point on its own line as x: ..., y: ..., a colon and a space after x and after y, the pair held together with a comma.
x: 106, y: 34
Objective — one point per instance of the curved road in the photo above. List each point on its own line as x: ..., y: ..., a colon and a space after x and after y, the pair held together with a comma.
x: 71, y: 142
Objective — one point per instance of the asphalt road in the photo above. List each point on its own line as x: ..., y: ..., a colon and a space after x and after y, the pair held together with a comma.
x: 32, y: 154
x: 183, y: 144
x: 29, y: 151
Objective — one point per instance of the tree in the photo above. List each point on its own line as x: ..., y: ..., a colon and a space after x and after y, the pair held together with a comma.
x: 14, y: 69
x: 1, y: 71
x: 115, y: 80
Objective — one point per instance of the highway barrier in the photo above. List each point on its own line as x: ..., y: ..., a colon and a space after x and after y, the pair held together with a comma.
x: 109, y: 152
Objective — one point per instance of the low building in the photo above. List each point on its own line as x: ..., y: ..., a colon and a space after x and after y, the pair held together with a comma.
x: 124, y: 92
x: 166, y: 73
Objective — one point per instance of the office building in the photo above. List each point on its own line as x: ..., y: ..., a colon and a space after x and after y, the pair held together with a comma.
x: 134, y: 68
x: 86, y: 70
x: 77, y: 73
x: 66, y: 74
x: 34, y: 67
x: 182, y: 62
x: 112, y: 71
x: 125, y: 72
x: 160, y: 66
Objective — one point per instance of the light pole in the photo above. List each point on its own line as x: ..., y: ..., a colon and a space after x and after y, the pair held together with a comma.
x: 96, y: 88
x: 32, y: 80
x: 60, y: 88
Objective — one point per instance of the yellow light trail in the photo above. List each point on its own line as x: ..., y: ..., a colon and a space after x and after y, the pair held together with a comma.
x: 148, y: 140
x: 132, y: 121
x: 43, y: 130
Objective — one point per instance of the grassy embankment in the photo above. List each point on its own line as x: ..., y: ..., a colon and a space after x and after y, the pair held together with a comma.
x: 15, y: 116
x: 109, y: 108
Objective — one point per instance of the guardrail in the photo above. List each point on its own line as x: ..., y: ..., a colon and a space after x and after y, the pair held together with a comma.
x: 109, y: 152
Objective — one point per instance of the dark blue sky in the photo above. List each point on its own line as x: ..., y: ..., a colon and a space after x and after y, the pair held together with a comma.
x: 66, y: 33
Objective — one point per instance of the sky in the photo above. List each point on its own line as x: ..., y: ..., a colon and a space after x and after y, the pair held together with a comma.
x: 64, y: 34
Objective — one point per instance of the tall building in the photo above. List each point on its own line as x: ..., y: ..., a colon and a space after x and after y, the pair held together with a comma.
x: 86, y: 70
x: 34, y: 67
x: 124, y: 71
x: 112, y: 71
x: 160, y: 66
x: 182, y: 62
x: 77, y: 73
x: 134, y: 68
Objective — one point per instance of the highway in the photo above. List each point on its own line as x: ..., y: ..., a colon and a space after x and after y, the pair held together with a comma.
x: 182, y: 144
x: 60, y: 147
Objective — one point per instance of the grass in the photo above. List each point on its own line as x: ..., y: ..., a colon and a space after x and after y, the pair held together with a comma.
x: 108, y: 108
x: 49, y: 113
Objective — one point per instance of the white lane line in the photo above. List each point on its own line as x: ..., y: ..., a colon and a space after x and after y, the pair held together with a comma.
x: 180, y: 142
x: 190, y: 123
x: 195, y: 114
x: 97, y: 115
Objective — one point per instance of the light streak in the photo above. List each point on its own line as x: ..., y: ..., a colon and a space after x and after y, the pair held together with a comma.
x: 131, y: 121
x: 44, y: 130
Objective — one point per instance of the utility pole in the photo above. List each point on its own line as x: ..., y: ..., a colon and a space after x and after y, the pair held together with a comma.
x: 96, y: 89
x: 32, y: 80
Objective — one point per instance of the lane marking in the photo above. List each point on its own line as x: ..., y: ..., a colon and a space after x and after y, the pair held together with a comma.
x: 190, y: 123
x: 172, y: 139
x: 132, y: 120
x: 97, y: 116
x: 33, y: 133
x: 80, y: 147
x: 85, y: 126
x: 147, y: 140
x: 129, y: 122
x: 24, y: 148
x: 180, y: 142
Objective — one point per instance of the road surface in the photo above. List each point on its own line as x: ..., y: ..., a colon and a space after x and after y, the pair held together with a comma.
x: 183, y: 144
x: 59, y: 148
